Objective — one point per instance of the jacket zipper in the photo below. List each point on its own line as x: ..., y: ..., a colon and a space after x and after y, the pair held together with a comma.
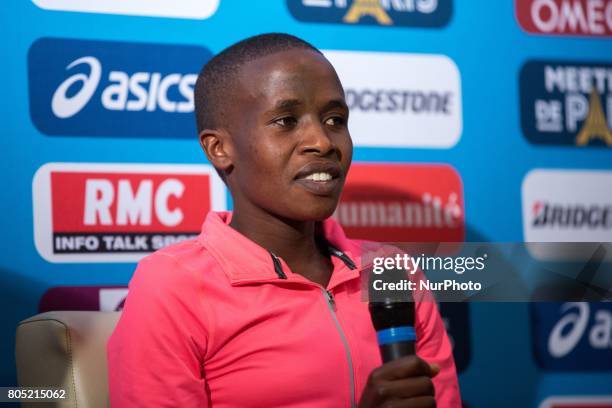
x: 278, y: 268
x: 332, y: 306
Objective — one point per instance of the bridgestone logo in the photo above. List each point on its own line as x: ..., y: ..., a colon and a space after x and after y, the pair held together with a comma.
x: 567, y: 206
x: 578, y: 216
x: 415, y: 102
x: 415, y: 98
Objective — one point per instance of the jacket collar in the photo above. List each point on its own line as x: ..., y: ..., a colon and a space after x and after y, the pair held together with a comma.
x: 244, y: 261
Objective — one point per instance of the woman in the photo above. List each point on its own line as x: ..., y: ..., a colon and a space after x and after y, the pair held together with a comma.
x: 264, y: 308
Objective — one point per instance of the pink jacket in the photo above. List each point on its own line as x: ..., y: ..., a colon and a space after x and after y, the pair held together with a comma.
x: 213, y: 322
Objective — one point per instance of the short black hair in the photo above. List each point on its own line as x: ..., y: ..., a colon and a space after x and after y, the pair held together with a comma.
x: 219, y: 74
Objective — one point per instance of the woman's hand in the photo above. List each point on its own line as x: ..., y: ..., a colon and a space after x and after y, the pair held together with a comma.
x: 405, y: 382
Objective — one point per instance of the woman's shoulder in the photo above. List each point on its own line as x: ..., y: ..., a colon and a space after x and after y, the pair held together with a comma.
x: 181, y: 264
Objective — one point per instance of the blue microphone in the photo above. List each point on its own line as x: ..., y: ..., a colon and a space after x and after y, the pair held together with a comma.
x: 394, y: 324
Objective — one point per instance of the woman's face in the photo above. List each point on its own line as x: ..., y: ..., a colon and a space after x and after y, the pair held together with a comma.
x: 289, y: 130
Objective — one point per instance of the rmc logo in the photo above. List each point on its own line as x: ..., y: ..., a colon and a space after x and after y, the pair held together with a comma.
x: 119, y: 212
x: 98, y: 88
x: 410, y: 13
x: 573, y: 335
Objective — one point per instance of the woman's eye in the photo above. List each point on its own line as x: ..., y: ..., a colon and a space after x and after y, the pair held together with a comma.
x: 287, y: 121
x: 335, y: 121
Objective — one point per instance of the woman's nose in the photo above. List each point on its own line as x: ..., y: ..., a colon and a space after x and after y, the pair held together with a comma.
x: 317, y: 140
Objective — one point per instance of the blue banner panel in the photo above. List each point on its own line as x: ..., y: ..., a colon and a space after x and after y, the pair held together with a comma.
x: 117, y: 89
x: 424, y: 13
x: 456, y: 318
x: 573, y: 336
x: 567, y: 103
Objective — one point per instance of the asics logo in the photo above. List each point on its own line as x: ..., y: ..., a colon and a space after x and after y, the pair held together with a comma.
x: 140, y: 91
x: 64, y: 106
x: 113, y: 88
x: 573, y: 335
x: 568, y: 331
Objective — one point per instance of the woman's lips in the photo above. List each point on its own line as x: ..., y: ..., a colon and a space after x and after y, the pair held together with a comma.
x: 320, y: 177
x: 322, y: 188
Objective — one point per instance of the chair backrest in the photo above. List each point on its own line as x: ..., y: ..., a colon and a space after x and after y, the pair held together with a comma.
x: 66, y: 350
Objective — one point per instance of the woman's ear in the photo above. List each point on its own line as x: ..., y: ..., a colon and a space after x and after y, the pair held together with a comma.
x: 217, y: 145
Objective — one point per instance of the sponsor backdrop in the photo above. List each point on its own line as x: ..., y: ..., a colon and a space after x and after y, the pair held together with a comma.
x: 478, y: 121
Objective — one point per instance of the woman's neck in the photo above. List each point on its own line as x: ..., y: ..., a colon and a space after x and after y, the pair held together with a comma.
x: 294, y: 241
x: 288, y: 239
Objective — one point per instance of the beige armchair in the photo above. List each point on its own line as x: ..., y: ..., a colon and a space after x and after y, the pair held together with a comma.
x: 66, y: 350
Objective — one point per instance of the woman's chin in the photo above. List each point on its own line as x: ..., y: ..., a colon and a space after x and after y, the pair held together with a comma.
x: 318, y: 213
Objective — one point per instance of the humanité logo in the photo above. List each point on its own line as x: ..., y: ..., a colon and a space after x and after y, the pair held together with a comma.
x: 427, y: 206
x: 101, y: 88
